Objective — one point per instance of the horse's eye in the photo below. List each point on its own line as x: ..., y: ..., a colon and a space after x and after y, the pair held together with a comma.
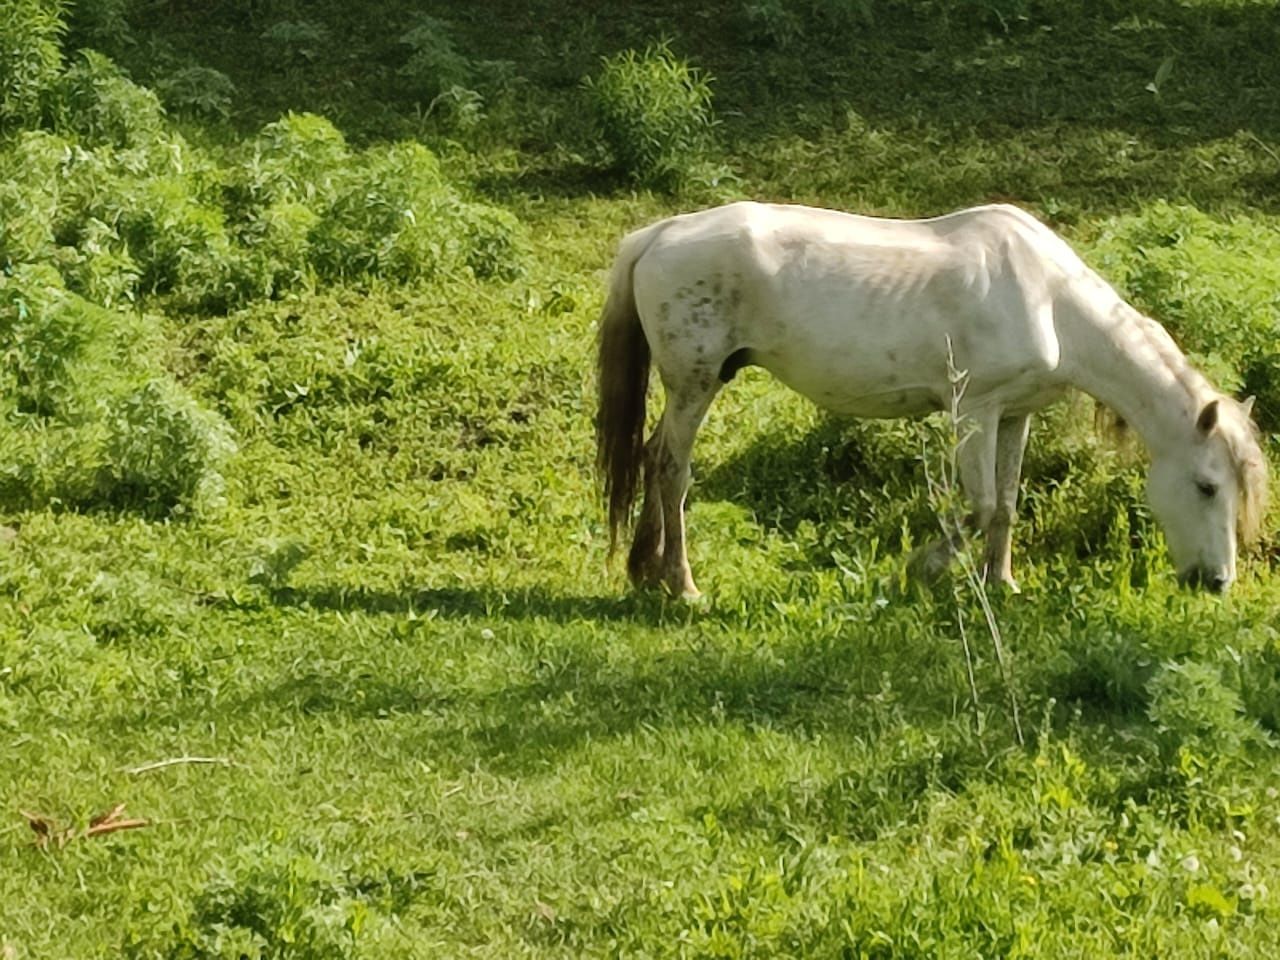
x: 1207, y: 490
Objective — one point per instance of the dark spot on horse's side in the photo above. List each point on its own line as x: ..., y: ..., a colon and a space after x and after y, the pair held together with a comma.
x: 891, y: 379
x: 893, y: 356
x: 735, y: 297
x: 735, y: 362
x: 664, y: 311
x: 717, y: 287
x: 701, y: 283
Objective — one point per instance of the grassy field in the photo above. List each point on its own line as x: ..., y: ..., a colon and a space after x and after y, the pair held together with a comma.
x: 433, y: 721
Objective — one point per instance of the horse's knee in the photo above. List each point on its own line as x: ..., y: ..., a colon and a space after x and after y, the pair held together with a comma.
x: 984, y: 512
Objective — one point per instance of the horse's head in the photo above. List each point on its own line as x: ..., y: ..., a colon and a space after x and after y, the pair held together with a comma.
x: 1209, y: 493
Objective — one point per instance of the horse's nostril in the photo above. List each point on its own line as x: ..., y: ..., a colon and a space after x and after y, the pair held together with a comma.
x: 1217, y: 583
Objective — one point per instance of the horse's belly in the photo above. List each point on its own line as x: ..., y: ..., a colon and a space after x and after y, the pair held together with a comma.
x: 859, y: 394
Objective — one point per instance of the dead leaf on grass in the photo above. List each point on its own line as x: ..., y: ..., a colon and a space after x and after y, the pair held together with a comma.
x: 47, y: 830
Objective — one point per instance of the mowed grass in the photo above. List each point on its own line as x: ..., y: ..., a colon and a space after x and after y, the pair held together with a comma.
x: 441, y: 725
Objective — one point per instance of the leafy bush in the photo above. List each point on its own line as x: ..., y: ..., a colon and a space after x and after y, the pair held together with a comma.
x: 270, y: 907
x: 162, y: 451
x: 103, y: 106
x: 397, y: 217
x: 181, y: 244
x: 30, y: 59
x: 434, y: 66
x: 299, y: 41
x: 41, y: 335
x: 771, y: 22
x: 299, y: 157
x: 101, y: 269
x: 100, y: 24
x: 654, y: 113
x: 29, y: 198
x: 274, y: 249
x: 198, y: 92
x: 1199, y: 718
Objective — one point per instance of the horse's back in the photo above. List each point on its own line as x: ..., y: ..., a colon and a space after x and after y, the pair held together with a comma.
x: 862, y: 314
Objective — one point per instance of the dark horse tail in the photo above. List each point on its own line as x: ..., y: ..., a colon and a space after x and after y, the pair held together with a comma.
x: 622, y: 367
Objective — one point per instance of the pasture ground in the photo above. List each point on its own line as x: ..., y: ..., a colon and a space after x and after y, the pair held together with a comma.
x: 444, y: 727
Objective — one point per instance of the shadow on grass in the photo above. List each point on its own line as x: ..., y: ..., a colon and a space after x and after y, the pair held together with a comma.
x: 1091, y: 77
x: 520, y: 603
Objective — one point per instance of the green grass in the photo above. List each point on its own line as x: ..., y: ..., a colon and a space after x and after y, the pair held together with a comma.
x: 444, y: 725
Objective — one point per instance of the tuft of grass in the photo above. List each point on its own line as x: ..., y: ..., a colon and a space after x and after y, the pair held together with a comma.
x: 654, y: 114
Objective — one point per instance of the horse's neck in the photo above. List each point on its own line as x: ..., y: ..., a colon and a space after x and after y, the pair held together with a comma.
x: 1130, y: 363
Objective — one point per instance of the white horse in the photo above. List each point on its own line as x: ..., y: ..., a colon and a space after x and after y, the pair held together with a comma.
x: 861, y: 315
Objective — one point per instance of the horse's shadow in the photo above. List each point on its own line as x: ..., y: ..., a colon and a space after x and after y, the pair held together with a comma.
x: 487, y: 602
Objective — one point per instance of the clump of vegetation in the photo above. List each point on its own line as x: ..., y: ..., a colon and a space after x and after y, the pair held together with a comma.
x: 297, y: 41
x: 80, y: 427
x: 43, y: 331
x: 30, y: 60
x: 395, y: 216
x: 1201, y: 725
x: 103, y: 107
x: 163, y: 452
x: 288, y: 908
x: 200, y: 92
x: 434, y: 65
x: 654, y: 114
x: 100, y: 24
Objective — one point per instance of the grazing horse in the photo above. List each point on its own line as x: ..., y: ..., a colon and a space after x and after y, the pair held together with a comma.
x: 865, y: 317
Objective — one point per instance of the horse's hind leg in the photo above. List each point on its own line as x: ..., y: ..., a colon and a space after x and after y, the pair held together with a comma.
x: 687, y: 404
x: 644, y: 563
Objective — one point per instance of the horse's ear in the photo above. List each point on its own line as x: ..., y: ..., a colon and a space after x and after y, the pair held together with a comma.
x: 1247, y: 405
x: 1208, y: 418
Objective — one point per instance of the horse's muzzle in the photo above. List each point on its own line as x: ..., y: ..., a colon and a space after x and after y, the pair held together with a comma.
x: 1213, y: 581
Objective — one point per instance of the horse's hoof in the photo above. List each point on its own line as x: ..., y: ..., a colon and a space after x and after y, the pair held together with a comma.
x: 929, y: 563
x: 685, y: 593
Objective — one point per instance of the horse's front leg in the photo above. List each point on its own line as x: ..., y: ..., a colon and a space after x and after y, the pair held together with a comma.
x: 976, y: 458
x: 1011, y: 443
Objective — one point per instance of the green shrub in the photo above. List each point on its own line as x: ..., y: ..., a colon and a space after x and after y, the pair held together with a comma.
x: 162, y: 451
x: 654, y: 113
x: 290, y: 909
x: 1199, y: 718
x: 492, y: 241
x: 180, y: 244
x: 99, y: 266
x: 434, y: 66
x: 198, y: 92
x: 274, y: 247
x: 41, y: 335
x: 298, y: 158
x: 771, y: 22
x: 297, y: 41
x: 30, y: 172
x: 100, y: 24
x: 103, y: 106
x: 30, y: 59
x: 397, y: 217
